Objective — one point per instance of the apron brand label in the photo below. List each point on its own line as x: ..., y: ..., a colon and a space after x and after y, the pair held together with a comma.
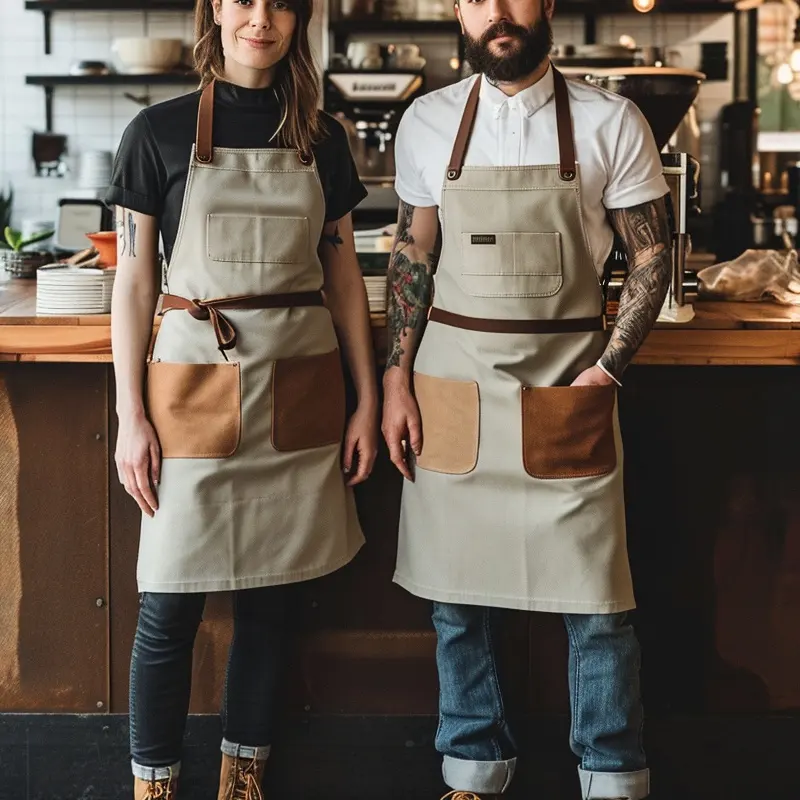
x: 483, y: 238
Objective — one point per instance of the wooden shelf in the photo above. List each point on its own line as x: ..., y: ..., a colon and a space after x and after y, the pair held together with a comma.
x: 347, y: 26
x: 109, y: 5
x: 48, y: 7
x: 114, y: 79
x: 49, y: 83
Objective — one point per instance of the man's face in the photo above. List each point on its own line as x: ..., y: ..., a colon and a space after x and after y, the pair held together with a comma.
x: 506, y: 39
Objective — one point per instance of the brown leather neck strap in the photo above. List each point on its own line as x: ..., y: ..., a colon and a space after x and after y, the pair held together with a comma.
x: 204, y: 143
x: 566, y: 141
x: 464, y: 132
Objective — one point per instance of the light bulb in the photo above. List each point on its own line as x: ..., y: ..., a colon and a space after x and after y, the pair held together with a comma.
x: 784, y: 74
x: 644, y: 5
x: 794, y: 59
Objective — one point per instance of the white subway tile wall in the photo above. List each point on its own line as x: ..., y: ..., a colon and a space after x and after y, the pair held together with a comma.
x: 93, y: 118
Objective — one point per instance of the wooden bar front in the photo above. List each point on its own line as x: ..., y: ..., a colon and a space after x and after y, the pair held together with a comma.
x: 712, y: 479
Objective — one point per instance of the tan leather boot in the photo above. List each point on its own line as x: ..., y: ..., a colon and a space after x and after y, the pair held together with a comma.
x: 164, y: 789
x: 240, y: 778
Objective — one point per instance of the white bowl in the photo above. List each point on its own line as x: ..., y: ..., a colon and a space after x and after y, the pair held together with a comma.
x: 139, y: 55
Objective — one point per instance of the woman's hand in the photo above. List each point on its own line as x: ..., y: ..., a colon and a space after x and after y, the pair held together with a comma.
x: 138, y: 457
x: 361, y: 439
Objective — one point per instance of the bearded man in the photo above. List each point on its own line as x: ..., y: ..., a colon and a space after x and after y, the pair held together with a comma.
x: 501, y: 381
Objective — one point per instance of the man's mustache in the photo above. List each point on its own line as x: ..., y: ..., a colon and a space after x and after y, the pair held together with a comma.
x: 503, y: 28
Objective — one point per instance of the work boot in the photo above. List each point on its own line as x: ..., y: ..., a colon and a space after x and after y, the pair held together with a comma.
x: 240, y: 778
x: 456, y: 795
x: 162, y: 789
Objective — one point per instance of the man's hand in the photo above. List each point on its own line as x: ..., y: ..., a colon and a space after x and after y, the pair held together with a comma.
x: 593, y: 376
x: 402, y: 426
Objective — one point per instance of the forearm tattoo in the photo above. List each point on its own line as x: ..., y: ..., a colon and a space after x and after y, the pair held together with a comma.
x: 645, y: 234
x: 410, y: 279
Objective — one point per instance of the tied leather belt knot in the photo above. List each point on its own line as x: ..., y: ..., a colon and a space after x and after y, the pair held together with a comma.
x: 223, y: 327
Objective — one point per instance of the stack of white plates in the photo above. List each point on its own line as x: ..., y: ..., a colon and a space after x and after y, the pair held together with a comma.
x: 62, y: 290
x: 376, y: 292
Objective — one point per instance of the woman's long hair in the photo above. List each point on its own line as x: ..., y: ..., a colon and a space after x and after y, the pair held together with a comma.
x: 296, y: 79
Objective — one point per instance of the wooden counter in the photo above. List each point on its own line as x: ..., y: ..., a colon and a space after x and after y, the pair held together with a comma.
x: 720, y: 333
x: 713, y: 515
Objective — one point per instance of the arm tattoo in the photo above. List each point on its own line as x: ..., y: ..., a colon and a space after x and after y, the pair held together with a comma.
x: 410, y: 279
x: 132, y: 234
x: 121, y: 232
x: 646, y: 237
x: 333, y: 238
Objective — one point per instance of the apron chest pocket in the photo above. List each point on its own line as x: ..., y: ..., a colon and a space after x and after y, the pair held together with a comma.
x: 256, y: 240
x: 450, y: 413
x: 511, y: 264
x: 308, y: 403
x: 568, y: 431
x: 195, y: 408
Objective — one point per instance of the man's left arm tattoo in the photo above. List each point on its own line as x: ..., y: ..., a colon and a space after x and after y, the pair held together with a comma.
x: 645, y: 234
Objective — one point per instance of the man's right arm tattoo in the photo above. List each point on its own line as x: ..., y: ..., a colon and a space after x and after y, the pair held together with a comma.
x: 410, y: 279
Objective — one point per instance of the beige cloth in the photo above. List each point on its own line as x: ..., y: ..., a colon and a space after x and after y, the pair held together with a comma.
x: 476, y: 525
x: 254, y: 494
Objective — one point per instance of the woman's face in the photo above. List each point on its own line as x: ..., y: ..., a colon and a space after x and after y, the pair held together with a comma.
x: 256, y: 35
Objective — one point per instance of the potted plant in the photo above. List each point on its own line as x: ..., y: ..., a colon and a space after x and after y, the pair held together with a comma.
x: 23, y: 263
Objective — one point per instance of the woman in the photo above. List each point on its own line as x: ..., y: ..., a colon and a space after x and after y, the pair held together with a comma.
x: 234, y: 449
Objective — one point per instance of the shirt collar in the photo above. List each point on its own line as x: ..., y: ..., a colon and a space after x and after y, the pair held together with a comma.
x: 528, y: 101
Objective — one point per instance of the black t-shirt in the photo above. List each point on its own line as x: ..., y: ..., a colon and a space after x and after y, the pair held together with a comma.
x: 152, y: 162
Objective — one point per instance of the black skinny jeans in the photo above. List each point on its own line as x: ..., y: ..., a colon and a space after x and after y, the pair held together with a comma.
x: 161, y: 671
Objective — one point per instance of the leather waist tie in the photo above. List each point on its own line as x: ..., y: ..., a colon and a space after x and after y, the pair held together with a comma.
x: 576, y: 325
x: 223, y: 327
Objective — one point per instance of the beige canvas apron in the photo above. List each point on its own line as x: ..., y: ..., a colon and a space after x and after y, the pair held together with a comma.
x: 245, y: 389
x: 518, y: 497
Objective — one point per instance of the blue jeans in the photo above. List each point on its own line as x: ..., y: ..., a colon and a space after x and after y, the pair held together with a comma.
x: 606, y: 729
x: 161, y: 675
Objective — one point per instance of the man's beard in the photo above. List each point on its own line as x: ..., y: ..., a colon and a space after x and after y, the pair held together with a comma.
x: 516, y: 59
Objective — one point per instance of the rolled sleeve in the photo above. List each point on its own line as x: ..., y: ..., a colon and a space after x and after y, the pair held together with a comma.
x: 636, y: 173
x: 409, y: 181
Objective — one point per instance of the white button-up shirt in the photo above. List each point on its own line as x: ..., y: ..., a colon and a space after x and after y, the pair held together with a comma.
x: 617, y: 156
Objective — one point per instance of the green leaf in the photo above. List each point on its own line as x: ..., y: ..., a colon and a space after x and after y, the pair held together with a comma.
x: 37, y: 237
x: 12, y: 237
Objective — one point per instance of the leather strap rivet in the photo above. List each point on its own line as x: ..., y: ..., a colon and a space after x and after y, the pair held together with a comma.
x: 305, y: 159
x: 452, y: 174
x: 568, y: 175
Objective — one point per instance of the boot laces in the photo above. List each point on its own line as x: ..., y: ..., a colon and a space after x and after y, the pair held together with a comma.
x: 162, y: 789
x: 245, y: 782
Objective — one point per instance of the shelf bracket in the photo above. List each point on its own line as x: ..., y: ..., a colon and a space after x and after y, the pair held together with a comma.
x: 48, y: 108
x: 48, y: 43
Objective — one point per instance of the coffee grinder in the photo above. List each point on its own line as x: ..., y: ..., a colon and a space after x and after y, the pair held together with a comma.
x: 664, y: 95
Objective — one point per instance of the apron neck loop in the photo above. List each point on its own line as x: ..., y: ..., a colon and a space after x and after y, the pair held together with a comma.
x: 566, y: 142
x: 464, y: 132
x: 204, y: 146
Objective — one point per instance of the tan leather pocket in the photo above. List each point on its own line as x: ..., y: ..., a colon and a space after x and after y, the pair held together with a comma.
x: 308, y: 406
x: 568, y: 431
x: 257, y: 240
x: 511, y: 264
x: 195, y: 408
x: 450, y: 412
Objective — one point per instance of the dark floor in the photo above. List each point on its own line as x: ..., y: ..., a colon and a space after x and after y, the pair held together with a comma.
x: 68, y: 757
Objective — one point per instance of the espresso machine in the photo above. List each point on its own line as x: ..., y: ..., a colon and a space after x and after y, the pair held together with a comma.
x: 664, y: 95
x: 370, y: 104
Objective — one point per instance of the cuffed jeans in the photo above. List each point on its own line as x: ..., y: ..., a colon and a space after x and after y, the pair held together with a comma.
x: 606, y: 728
x: 161, y: 674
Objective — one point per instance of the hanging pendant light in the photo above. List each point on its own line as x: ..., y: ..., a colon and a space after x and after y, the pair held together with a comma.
x: 644, y: 6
